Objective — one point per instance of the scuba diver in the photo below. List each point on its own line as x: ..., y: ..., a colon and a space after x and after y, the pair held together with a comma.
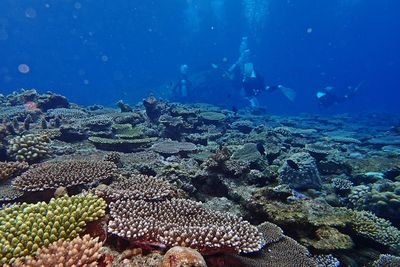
x: 182, y: 87
x: 250, y: 82
x: 327, y: 98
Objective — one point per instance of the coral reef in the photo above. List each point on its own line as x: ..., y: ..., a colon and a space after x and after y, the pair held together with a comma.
x: 27, y: 227
x: 51, y: 175
x: 79, y: 251
x: 331, y: 183
x: 382, y: 198
x: 29, y: 147
x: 313, y: 215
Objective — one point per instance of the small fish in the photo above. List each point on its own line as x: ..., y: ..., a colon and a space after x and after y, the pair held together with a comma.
x: 261, y: 148
x: 235, y: 110
x: 292, y: 164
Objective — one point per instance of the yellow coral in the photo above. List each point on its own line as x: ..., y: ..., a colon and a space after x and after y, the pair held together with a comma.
x: 27, y: 227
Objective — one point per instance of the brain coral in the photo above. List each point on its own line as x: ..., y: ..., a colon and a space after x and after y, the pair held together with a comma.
x: 182, y: 222
x: 27, y: 227
x: 51, y: 175
x: 83, y: 251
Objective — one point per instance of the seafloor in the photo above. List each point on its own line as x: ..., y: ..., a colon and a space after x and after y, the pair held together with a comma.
x: 167, y: 184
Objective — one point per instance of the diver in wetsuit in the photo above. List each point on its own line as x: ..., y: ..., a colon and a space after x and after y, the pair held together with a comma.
x: 183, y: 86
x: 249, y: 81
x: 327, y: 98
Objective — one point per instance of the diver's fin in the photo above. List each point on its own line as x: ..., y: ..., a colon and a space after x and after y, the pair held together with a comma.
x: 288, y: 92
x: 225, y: 72
x: 358, y: 86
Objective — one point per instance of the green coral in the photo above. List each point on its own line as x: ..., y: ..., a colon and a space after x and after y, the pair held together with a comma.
x: 212, y: 116
x: 124, y: 145
x: 27, y: 227
x: 126, y: 131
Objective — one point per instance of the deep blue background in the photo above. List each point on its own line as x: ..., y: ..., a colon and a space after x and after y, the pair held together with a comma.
x: 98, y: 51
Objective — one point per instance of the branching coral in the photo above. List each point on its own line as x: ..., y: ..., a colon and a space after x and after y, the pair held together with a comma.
x: 83, y: 251
x: 29, y: 147
x: 368, y: 225
x: 386, y: 260
x: 27, y: 227
x: 51, y: 175
x: 9, y: 169
x: 280, y: 250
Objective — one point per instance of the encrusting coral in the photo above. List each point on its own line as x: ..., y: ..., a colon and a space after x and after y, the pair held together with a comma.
x: 79, y: 251
x: 51, y: 175
x: 27, y: 227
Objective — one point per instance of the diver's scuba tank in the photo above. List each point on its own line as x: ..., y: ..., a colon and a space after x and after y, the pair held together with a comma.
x: 184, y: 90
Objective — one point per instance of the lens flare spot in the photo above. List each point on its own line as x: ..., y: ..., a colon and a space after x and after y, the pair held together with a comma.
x: 77, y: 5
x: 30, y: 13
x: 23, y: 68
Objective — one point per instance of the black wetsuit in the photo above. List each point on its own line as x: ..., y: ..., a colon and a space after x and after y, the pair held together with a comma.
x: 179, y: 89
x: 254, y: 85
x: 330, y: 99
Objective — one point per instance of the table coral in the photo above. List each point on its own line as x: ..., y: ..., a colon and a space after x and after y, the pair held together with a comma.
x: 51, y: 175
x: 173, y: 147
x: 137, y: 187
x: 182, y: 222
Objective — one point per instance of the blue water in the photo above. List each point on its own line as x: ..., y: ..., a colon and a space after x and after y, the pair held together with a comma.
x: 97, y: 51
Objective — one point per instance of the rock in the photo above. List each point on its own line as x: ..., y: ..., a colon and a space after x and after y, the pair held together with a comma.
x: 384, y: 140
x: 300, y: 172
x: 248, y: 153
x: 183, y: 257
